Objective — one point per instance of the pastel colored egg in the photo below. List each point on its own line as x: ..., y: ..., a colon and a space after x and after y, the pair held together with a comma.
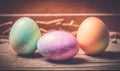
x: 24, y: 35
x: 93, y: 36
x: 58, y: 45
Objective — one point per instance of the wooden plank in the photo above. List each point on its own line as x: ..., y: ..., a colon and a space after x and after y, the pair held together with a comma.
x: 110, y: 60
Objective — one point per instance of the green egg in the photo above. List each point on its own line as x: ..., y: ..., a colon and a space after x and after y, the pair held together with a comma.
x: 24, y: 35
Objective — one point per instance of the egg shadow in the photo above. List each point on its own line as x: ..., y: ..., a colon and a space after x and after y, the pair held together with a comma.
x: 33, y: 56
x: 69, y: 61
x: 108, y: 55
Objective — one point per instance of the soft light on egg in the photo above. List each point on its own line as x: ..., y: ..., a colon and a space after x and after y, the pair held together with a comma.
x: 24, y: 35
x: 93, y: 36
x: 58, y: 45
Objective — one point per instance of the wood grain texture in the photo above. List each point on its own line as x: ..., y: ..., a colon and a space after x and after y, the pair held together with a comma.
x: 62, y: 6
x: 109, y: 60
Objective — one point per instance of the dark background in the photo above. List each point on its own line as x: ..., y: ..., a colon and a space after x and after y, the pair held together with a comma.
x: 61, y: 6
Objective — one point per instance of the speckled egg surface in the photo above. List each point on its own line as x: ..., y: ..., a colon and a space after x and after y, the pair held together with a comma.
x: 58, y: 45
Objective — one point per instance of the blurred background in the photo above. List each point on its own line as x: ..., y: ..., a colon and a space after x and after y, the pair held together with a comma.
x: 9, y: 10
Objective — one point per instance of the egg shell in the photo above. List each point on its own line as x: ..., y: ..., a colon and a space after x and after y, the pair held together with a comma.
x: 93, y: 36
x: 24, y: 35
x: 58, y: 45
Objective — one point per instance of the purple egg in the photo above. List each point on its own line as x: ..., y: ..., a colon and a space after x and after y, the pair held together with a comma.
x: 58, y: 45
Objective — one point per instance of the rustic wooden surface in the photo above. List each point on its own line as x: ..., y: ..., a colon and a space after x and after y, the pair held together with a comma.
x: 109, y: 60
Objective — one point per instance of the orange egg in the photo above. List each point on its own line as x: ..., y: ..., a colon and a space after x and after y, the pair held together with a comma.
x: 93, y: 36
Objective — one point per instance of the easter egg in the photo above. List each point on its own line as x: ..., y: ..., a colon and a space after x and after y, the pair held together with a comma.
x: 93, y: 36
x: 24, y: 35
x: 58, y: 45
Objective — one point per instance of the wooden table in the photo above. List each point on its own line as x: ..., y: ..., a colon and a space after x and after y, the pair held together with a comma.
x: 9, y: 60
